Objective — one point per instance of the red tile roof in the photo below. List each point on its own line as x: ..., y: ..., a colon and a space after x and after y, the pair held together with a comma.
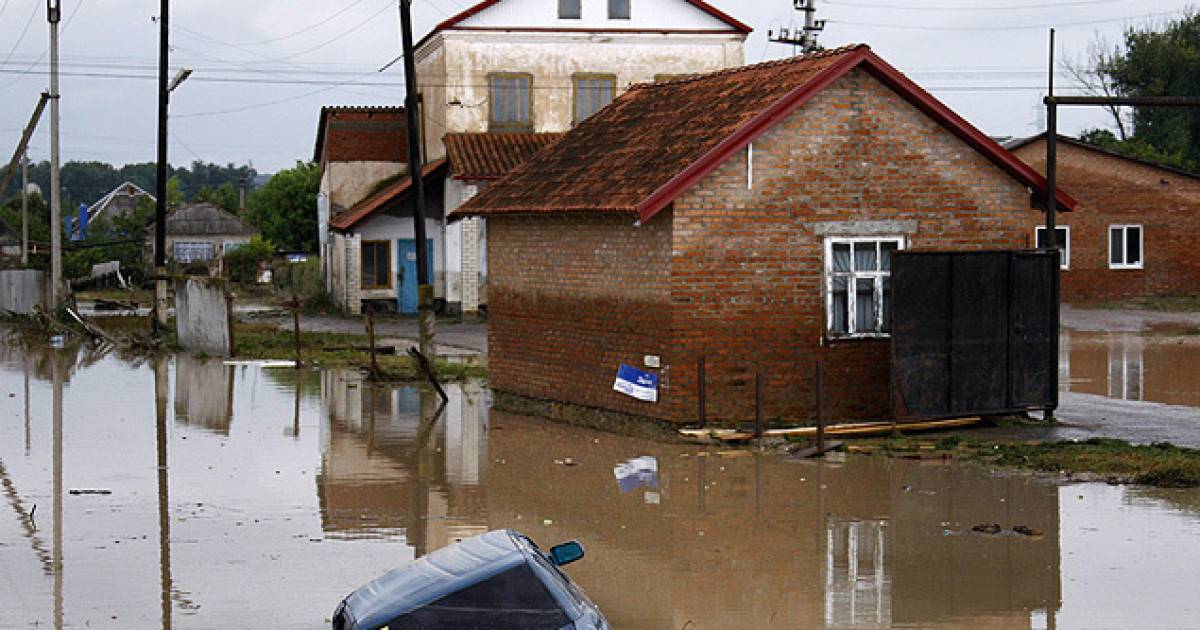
x: 658, y: 139
x: 457, y: 19
x: 475, y: 156
x: 386, y: 197
x: 361, y: 134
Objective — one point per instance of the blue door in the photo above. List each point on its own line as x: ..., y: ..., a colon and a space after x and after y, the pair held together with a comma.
x: 406, y: 249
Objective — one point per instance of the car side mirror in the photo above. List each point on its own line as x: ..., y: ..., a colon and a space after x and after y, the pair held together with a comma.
x: 566, y: 553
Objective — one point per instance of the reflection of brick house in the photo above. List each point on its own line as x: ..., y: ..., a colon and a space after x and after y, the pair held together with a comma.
x: 1135, y: 232
x: 747, y: 216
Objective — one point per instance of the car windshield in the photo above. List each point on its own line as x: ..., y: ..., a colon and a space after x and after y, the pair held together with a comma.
x: 513, y: 600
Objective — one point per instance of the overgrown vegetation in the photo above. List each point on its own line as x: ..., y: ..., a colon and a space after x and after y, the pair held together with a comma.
x: 1159, y: 464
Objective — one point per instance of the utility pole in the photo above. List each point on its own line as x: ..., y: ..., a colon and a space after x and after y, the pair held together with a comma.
x: 1052, y: 235
x: 242, y: 194
x: 425, y: 321
x: 805, y: 39
x: 160, y: 175
x: 53, y: 15
x: 25, y: 209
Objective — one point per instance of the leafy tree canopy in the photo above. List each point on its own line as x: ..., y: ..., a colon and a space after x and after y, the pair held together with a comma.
x: 284, y: 208
x: 1164, y: 62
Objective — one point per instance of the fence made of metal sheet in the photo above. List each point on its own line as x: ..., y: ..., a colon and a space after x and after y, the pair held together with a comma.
x: 973, y: 333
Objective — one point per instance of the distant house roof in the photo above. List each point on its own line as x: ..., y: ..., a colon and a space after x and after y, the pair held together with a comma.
x: 387, y: 196
x: 455, y: 21
x: 1019, y: 143
x: 120, y: 201
x: 361, y: 134
x: 206, y: 219
x: 484, y: 156
x: 652, y: 143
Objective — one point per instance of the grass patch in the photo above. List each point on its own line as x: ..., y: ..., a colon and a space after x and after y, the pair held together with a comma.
x: 1160, y: 464
x: 1163, y: 465
x: 1168, y: 303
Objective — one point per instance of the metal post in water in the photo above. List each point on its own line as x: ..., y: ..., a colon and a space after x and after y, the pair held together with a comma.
x: 820, y: 408
x: 758, y: 405
x: 229, y: 321
x: 371, y: 340
x: 296, y: 327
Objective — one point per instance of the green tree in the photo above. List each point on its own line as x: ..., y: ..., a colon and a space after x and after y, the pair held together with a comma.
x: 285, y: 208
x: 225, y: 195
x: 1163, y: 62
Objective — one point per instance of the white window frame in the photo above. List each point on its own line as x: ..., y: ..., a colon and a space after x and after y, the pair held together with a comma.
x: 1065, y: 263
x: 186, y: 248
x: 1124, y: 227
x: 851, y: 293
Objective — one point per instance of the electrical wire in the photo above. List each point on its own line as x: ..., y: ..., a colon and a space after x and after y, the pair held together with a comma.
x: 29, y: 68
x: 24, y: 31
x: 943, y: 8
x: 1060, y: 25
x: 306, y: 29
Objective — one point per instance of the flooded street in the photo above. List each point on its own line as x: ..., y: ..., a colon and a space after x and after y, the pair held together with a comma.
x: 193, y: 494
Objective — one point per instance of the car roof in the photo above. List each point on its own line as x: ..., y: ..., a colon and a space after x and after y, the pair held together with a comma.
x: 434, y: 576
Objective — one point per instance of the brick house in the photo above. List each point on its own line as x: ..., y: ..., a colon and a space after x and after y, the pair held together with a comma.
x: 1136, y: 230
x: 747, y: 216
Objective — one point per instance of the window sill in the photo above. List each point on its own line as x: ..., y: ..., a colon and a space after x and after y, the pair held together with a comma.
x: 1126, y: 267
x: 842, y: 338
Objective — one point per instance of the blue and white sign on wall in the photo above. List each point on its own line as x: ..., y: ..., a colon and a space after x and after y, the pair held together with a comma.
x: 634, y: 382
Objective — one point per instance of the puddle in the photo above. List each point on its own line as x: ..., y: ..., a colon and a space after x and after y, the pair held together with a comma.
x: 1132, y: 366
x: 244, y: 497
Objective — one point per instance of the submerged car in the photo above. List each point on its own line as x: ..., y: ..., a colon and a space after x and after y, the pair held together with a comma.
x: 500, y: 580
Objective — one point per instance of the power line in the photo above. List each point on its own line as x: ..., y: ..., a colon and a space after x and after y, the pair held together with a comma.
x: 306, y: 29
x: 942, y: 8
x: 24, y: 31
x: 919, y: 27
x: 44, y: 51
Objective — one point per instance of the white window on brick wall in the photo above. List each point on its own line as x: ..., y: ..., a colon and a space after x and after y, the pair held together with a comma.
x: 1064, y: 243
x: 858, y: 292
x: 1125, y: 246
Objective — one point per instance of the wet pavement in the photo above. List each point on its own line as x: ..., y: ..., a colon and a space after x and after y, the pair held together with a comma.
x: 240, y: 496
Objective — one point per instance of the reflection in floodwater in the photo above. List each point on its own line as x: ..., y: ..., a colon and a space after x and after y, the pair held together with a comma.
x: 1130, y: 366
x: 323, y: 481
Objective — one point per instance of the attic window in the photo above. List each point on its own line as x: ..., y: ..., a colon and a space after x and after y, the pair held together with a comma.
x: 618, y: 9
x: 592, y: 93
x: 569, y: 9
x: 508, y: 98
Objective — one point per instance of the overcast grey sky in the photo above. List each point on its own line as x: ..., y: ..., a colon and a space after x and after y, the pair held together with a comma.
x: 265, y: 67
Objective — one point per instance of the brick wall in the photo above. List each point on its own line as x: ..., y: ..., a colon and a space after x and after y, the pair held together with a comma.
x: 748, y: 264
x: 570, y: 298
x: 1115, y: 191
x: 736, y: 273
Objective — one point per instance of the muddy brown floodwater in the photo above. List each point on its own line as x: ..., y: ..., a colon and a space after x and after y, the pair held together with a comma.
x: 193, y: 494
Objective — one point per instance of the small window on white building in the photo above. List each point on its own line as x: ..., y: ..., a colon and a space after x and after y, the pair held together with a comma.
x: 1125, y: 247
x: 858, y: 296
x: 569, y: 9
x: 618, y: 9
x: 592, y: 93
x: 1064, y: 243
x: 508, y: 102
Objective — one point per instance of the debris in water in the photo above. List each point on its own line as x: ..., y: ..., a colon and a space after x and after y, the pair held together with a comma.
x: 993, y: 528
x: 78, y: 491
x: 1027, y: 531
x: 566, y: 461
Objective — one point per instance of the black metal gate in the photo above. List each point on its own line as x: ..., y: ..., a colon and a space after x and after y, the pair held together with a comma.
x: 972, y: 332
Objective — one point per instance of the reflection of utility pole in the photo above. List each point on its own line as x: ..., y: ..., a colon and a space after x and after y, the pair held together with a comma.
x: 27, y: 440
x: 164, y: 513
x: 53, y: 15
x: 57, y: 491
x: 425, y: 321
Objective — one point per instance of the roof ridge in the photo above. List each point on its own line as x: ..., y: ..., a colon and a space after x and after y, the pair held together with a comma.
x: 772, y: 63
